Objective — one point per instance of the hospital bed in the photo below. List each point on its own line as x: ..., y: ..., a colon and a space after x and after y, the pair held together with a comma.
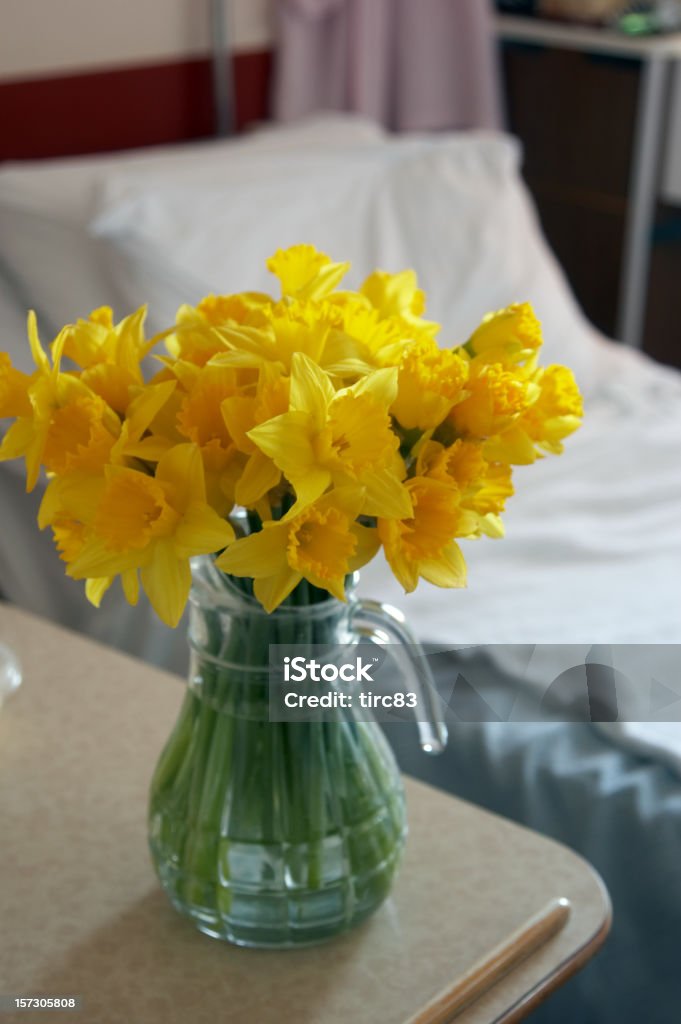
x: 593, y: 547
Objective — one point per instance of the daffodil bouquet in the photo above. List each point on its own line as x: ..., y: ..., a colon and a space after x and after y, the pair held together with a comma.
x: 288, y: 439
x: 331, y: 419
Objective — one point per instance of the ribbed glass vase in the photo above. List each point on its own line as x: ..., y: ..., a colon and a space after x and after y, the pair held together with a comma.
x: 272, y: 834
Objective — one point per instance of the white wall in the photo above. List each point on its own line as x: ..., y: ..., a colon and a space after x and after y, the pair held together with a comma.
x: 44, y: 37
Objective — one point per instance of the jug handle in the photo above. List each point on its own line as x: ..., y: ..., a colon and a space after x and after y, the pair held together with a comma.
x: 386, y: 625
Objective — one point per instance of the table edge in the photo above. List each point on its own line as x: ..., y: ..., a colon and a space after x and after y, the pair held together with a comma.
x: 568, y: 967
x: 566, y: 970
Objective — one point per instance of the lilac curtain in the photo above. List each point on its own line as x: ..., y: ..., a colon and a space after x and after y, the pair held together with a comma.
x: 410, y: 64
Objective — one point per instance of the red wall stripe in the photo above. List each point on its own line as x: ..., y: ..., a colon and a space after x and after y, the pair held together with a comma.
x: 109, y: 110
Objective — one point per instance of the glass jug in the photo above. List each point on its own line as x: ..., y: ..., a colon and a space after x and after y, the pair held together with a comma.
x: 278, y: 834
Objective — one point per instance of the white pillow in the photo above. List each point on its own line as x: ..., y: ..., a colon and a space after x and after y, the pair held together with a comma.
x: 453, y: 207
x: 55, y: 265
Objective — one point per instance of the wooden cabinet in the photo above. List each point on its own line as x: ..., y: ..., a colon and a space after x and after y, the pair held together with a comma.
x: 573, y: 114
x: 575, y: 111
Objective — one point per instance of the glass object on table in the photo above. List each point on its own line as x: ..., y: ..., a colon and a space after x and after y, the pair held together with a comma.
x: 10, y: 671
x: 279, y: 833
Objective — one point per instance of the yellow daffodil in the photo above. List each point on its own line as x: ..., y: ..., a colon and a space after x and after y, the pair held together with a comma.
x: 306, y: 273
x: 195, y: 339
x: 67, y: 426
x: 81, y: 434
x: 431, y: 381
x: 287, y: 328
x: 131, y: 446
x: 423, y: 545
x: 558, y: 411
x: 510, y: 335
x: 109, y: 355
x: 398, y: 296
x: 338, y: 438
x: 321, y: 544
x: 154, y: 524
x: 497, y: 396
x: 380, y: 340
x: 483, y: 486
x: 394, y: 294
x: 69, y: 538
x: 554, y: 415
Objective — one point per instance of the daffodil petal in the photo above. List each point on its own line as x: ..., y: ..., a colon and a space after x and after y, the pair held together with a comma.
x: 447, y: 571
x: 182, y: 469
x: 311, y: 389
x: 272, y: 590
x: 149, y: 449
x: 368, y: 543
x: 14, y: 386
x: 492, y: 525
x: 305, y: 272
x: 309, y: 487
x: 406, y: 572
x: 238, y: 412
x: 335, y: 585
x: 513, y: 446
x: 381, y: 385
x: 16, y: 440
x: 348, y: 500
x: 58, y: 350
x: 131, y: 586
x: 77, y: 494
x: 259, y: 555
x: 287, y: 440
x: 386, y: 496
x: 167, y: 581
x: 146, y: 406
x: 259, y: 476
x: 201, y: 532
x: 34, y: 455
x: 95, y: 589
x: 37, y: 351
x: 96, y: 559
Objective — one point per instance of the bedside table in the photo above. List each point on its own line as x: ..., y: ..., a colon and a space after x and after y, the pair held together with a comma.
x: 83, y: 914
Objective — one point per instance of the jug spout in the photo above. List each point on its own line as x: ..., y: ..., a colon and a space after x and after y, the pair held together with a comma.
x: 384, y: 624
